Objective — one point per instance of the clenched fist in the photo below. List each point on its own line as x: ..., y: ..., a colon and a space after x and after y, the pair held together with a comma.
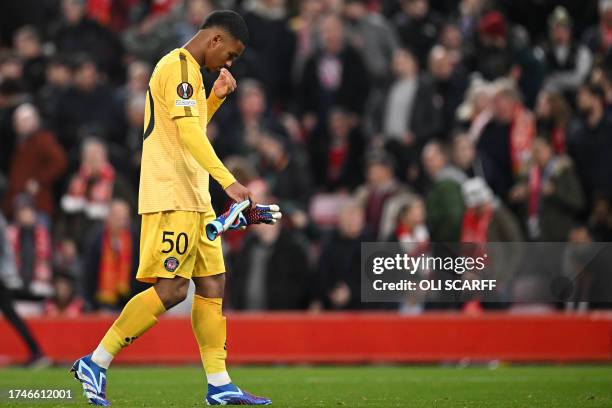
x: 225, y: 84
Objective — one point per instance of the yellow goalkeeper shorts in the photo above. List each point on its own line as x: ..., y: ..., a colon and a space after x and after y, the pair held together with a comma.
x: 174, y: 243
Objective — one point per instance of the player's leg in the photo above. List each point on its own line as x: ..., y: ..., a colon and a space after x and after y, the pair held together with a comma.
x: 138, y: 316
x: 167, y: 256
x: 209, y: 325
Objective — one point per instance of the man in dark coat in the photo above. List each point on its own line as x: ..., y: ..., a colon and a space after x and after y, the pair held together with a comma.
x: 334, y: 76
x: 271, y: 272
x: 590, y: 144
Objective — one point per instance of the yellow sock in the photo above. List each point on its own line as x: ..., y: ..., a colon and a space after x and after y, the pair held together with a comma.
x: 138, y: 316
x: 209, y: 328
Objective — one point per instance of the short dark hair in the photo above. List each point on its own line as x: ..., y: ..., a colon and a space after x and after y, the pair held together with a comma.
x: 230, y: 21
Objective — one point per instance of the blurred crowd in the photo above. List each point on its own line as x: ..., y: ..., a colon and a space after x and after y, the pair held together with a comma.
x: 410, y: 121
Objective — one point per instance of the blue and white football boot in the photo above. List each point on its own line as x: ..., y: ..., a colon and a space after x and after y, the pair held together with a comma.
x: 93, y: 379
x: 231, y: 395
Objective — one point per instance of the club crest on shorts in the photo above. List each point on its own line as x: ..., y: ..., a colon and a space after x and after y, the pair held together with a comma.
x: 171, y: 263
x: 184, y: 90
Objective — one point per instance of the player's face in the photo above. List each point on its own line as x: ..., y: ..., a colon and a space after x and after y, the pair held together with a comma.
x: 223, y: 51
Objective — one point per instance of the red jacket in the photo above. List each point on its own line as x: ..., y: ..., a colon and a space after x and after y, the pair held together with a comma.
x: 41, y: 158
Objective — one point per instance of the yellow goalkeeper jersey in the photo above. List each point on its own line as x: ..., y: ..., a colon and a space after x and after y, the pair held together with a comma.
x: 170, y: 178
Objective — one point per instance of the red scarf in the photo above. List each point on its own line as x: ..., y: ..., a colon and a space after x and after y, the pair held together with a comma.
x: 93, y: 188
x: 522, y: 132
x: 42, y: 251
x: 115, y: 269
x: 558, y: 140
x: 335, y: 161
x: 476, y: 225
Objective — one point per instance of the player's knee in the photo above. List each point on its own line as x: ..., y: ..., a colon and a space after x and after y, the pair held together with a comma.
x: 210, y: 286
x: 172, y: 291
x: 180, y: 292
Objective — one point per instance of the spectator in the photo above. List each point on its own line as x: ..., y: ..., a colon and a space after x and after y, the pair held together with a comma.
x: 411, y: 228
x: 304, y: 26
x: 412, y: 234
x: 600, y: 221
x: 28, y: 45
x: 288, y: 177
x: 382, y: 195
x: 195, y: 12
x: 450, y: 83
x: 11, y: 96
x: 475, y: 111
x: 598, y: 37
x: 37, y: 163
x: 493, y: 56
x: 373, y: 37
x: 503, y: 51
x: 464, y: 156
x: 337, y: 154
x: 271, y: 272
x: 10, y: 280
x: 67, y: 261
x: 91, y: 189
x: 151, y: 37
x: 552, y: 196
x: 451, y: 39
x: 567, y: 62
x: 88, y: 103
x: 65, y: 302
x: 553, y: 115
x: 75, y: 34
x: 444, y: 202
x: 111, y: 260
x: 253, y: 120
x: 505, y: 142
x: 58, y: 80
x: 135, y: 115
x: 470, y: 12
x: 338, y: 277
x: 417, y: 26
x: 486, y: 219
x: 11, y: 67
x: 410, y: 116
x: 272, y: 45
x: 590, y: 145
x: 333, y: 76
x: 31, y: 245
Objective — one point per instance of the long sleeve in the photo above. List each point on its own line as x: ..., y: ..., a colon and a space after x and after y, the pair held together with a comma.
x: 197, y: 143
x: 212, y: 104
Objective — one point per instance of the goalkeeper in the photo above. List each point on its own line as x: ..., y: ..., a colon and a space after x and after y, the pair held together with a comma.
x: 174, y: 201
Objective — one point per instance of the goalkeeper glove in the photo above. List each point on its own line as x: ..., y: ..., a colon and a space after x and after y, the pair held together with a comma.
x: 235, y: 219
x: 230, y: 220
x: 263, y: 214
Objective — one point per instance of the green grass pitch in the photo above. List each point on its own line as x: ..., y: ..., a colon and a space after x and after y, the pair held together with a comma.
x: 369, y: 386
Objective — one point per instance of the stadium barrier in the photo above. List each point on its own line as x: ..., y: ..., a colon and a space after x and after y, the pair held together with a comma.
x: 342, y: 338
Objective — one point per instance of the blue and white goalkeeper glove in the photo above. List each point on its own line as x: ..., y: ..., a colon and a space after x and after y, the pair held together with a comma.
x: 230, y: 220
x: 239, y: 216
